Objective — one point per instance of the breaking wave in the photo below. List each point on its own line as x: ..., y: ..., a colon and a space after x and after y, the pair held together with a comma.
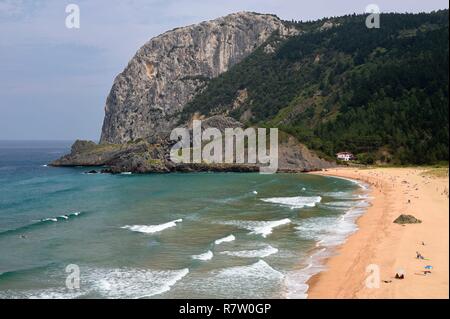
x: 294, y: 202
x: 129, y: 283
x: 329, y: 231
x: 205, y: 256
x: 296, y: 281
x: 150, y: 229
x: 347, y: 204
x: 225, y: 239
x: 134, y: 283
x: 254, y: 253
x: 41, y: 222
x: 263, y: 228
x: 260, y: 269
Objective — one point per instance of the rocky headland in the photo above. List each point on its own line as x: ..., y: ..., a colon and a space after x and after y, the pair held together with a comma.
x: 147, y: 98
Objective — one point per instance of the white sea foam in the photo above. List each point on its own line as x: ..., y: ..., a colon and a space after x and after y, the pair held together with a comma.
x: 150, y: 229
x: 347, y: 195
x: 296, y: 281
x: 329, y: 231
x: 133, y: 283
x: 126, y: 173
x: 254, y: 253
x: 205, y: 256
x: 263, y: 228
x: 61, y: 293
x: 363, y: 185
x: 260, y: 269
x: 266, y: 228
x: 225, y: 239
x: 294, y: 202
x: 348, y: 204
x: 55, y: 219
x: 129, y: 283
x: 249, y: 281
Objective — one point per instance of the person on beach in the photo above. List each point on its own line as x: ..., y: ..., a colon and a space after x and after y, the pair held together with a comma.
x: 427, y: 269
x: 399, y: 276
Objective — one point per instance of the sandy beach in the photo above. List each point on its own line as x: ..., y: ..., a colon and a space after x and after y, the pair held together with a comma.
x: 390, y: 246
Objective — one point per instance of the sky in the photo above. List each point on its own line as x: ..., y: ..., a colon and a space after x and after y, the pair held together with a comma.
x: 54, y: 81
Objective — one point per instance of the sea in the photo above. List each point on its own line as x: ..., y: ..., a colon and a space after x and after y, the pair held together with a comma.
x: 65, y: 233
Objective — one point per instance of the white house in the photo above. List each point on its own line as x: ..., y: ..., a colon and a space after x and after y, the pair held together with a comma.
x: 345, y: 156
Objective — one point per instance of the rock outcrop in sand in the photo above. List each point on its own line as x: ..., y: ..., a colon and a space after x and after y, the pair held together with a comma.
x: 407, y: 219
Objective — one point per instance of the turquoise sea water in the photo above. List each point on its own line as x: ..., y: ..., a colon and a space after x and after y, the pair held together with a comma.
x: 198, y: 235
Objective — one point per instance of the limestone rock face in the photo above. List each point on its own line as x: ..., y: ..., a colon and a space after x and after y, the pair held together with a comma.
x: 146, y: 99
x: 167, y: 72
x: 294, y: 156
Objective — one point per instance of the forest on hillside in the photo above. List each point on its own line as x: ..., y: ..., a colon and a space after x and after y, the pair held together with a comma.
x: 379, y: 93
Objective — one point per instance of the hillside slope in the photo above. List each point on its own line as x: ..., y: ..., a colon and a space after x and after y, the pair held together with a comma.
x: 380, y: 93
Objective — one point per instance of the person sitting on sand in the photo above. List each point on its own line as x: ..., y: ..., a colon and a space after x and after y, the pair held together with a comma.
x: 427, y: 269
x: 399, y: 276
x: 419, y: 255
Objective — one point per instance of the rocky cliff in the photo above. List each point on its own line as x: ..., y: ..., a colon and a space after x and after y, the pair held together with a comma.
x: 141, y: 156
x: 147, y: 98
x: 168, y: 71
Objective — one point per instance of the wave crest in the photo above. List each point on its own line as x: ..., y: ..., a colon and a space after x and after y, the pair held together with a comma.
x: 225, y: 239
x: 150, y: 229
x: 294, y: 202
x: 263, y: 228
x: 260, y: 269
x: 205, y: 256
x: 254, y: 253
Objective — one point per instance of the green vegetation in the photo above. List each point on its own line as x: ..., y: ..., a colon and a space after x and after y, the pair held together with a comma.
x: 102, y: 148
x: 136, y: 141
x: 152, y: 161
x: 439, y: 172
x: 379, y: 93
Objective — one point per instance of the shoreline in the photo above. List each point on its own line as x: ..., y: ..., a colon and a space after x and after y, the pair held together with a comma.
x: 320, y: 254
x: 390, y: 246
